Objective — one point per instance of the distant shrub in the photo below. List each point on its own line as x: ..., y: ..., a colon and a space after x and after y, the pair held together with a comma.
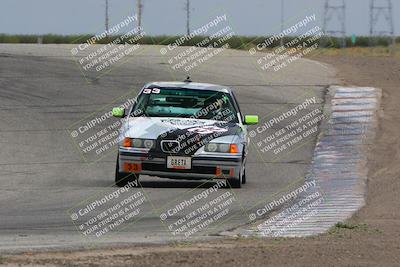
x: 236, y: 42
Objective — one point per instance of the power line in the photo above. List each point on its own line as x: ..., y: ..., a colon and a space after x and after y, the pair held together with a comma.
x: 339, y: 11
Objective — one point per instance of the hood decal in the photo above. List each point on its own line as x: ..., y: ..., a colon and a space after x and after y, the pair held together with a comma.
x: 191, y: 134
x: 192, y: 138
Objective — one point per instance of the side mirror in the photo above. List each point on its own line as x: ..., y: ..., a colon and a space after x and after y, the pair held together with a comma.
x: 118, y: 112
x: 250, y: 119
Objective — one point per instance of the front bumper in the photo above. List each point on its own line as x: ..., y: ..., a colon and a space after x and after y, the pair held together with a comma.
x: 203, y: 166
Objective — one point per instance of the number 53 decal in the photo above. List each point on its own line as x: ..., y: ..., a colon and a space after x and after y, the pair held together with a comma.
x: 151, y: 91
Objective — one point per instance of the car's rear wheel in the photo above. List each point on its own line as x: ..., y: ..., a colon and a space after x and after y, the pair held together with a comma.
x: 123, y: 178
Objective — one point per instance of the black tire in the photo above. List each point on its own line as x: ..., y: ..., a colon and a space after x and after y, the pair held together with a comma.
x: 244, y: 169
x: 122, y: 178
x: 236, y: 182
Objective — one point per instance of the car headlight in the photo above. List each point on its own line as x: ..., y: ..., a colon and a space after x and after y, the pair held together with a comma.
x: 211, y: 147
x: 148, y: 144
x: 138, y: 143
x: 222, y: 148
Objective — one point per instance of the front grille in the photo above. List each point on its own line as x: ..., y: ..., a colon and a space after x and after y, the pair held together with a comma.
x: 163, y: 168
x: 170, y: 146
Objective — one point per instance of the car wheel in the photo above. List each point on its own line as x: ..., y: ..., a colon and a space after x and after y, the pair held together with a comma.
x: 244, y: 170
x: 236, y: 182
x: 123, y: 178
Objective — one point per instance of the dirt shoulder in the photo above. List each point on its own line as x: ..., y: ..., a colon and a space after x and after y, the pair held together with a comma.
x: 373, y: 240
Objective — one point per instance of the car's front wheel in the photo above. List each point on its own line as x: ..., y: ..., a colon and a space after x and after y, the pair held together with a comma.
x: 237, y: 182
x: 123, y: 178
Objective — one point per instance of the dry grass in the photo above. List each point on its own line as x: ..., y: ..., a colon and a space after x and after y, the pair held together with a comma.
x: 378, y: 51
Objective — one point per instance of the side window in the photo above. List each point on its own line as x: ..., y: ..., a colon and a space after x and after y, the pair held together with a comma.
x: 237, y: 106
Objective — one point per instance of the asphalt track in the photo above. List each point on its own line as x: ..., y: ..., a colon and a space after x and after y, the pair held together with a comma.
x: 42, y: 173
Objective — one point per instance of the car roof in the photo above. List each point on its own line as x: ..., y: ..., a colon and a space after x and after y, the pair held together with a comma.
x: 189, y: 85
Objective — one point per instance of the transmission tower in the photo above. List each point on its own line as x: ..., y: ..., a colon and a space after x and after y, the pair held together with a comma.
x: 385, y: 9
x: 187, y: 8
x: 139, y: 15
x: 335, y: 9
x: 106, y: 18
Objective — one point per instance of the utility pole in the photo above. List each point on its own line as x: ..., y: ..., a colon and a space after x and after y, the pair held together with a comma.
x: 339, y: 11
x: 106, y: 19
x: 386, y: 9
x: 187, y: 17
x: 139, y: 15
x: 282, y: 18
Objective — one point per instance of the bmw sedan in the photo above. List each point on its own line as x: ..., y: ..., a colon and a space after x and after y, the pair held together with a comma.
x: 183, y: 130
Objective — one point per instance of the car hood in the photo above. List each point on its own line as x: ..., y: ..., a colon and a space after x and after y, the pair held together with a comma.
x: 191, y: 133
x: 153, y: 127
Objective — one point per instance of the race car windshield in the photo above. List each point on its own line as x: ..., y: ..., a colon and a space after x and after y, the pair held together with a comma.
x: 185, y: 103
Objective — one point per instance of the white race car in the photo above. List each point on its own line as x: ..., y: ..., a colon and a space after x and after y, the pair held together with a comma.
x: 183, y: 130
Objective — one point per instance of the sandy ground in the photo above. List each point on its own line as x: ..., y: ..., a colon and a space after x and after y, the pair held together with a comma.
x: 373, y: 239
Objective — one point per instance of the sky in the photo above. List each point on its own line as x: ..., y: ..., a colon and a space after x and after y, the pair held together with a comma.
x: 168, y: 17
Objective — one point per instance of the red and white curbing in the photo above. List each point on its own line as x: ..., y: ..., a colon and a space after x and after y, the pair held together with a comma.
x: 338, y: 167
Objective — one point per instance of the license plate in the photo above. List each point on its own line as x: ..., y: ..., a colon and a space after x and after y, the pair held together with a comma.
x: 180, y: 163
